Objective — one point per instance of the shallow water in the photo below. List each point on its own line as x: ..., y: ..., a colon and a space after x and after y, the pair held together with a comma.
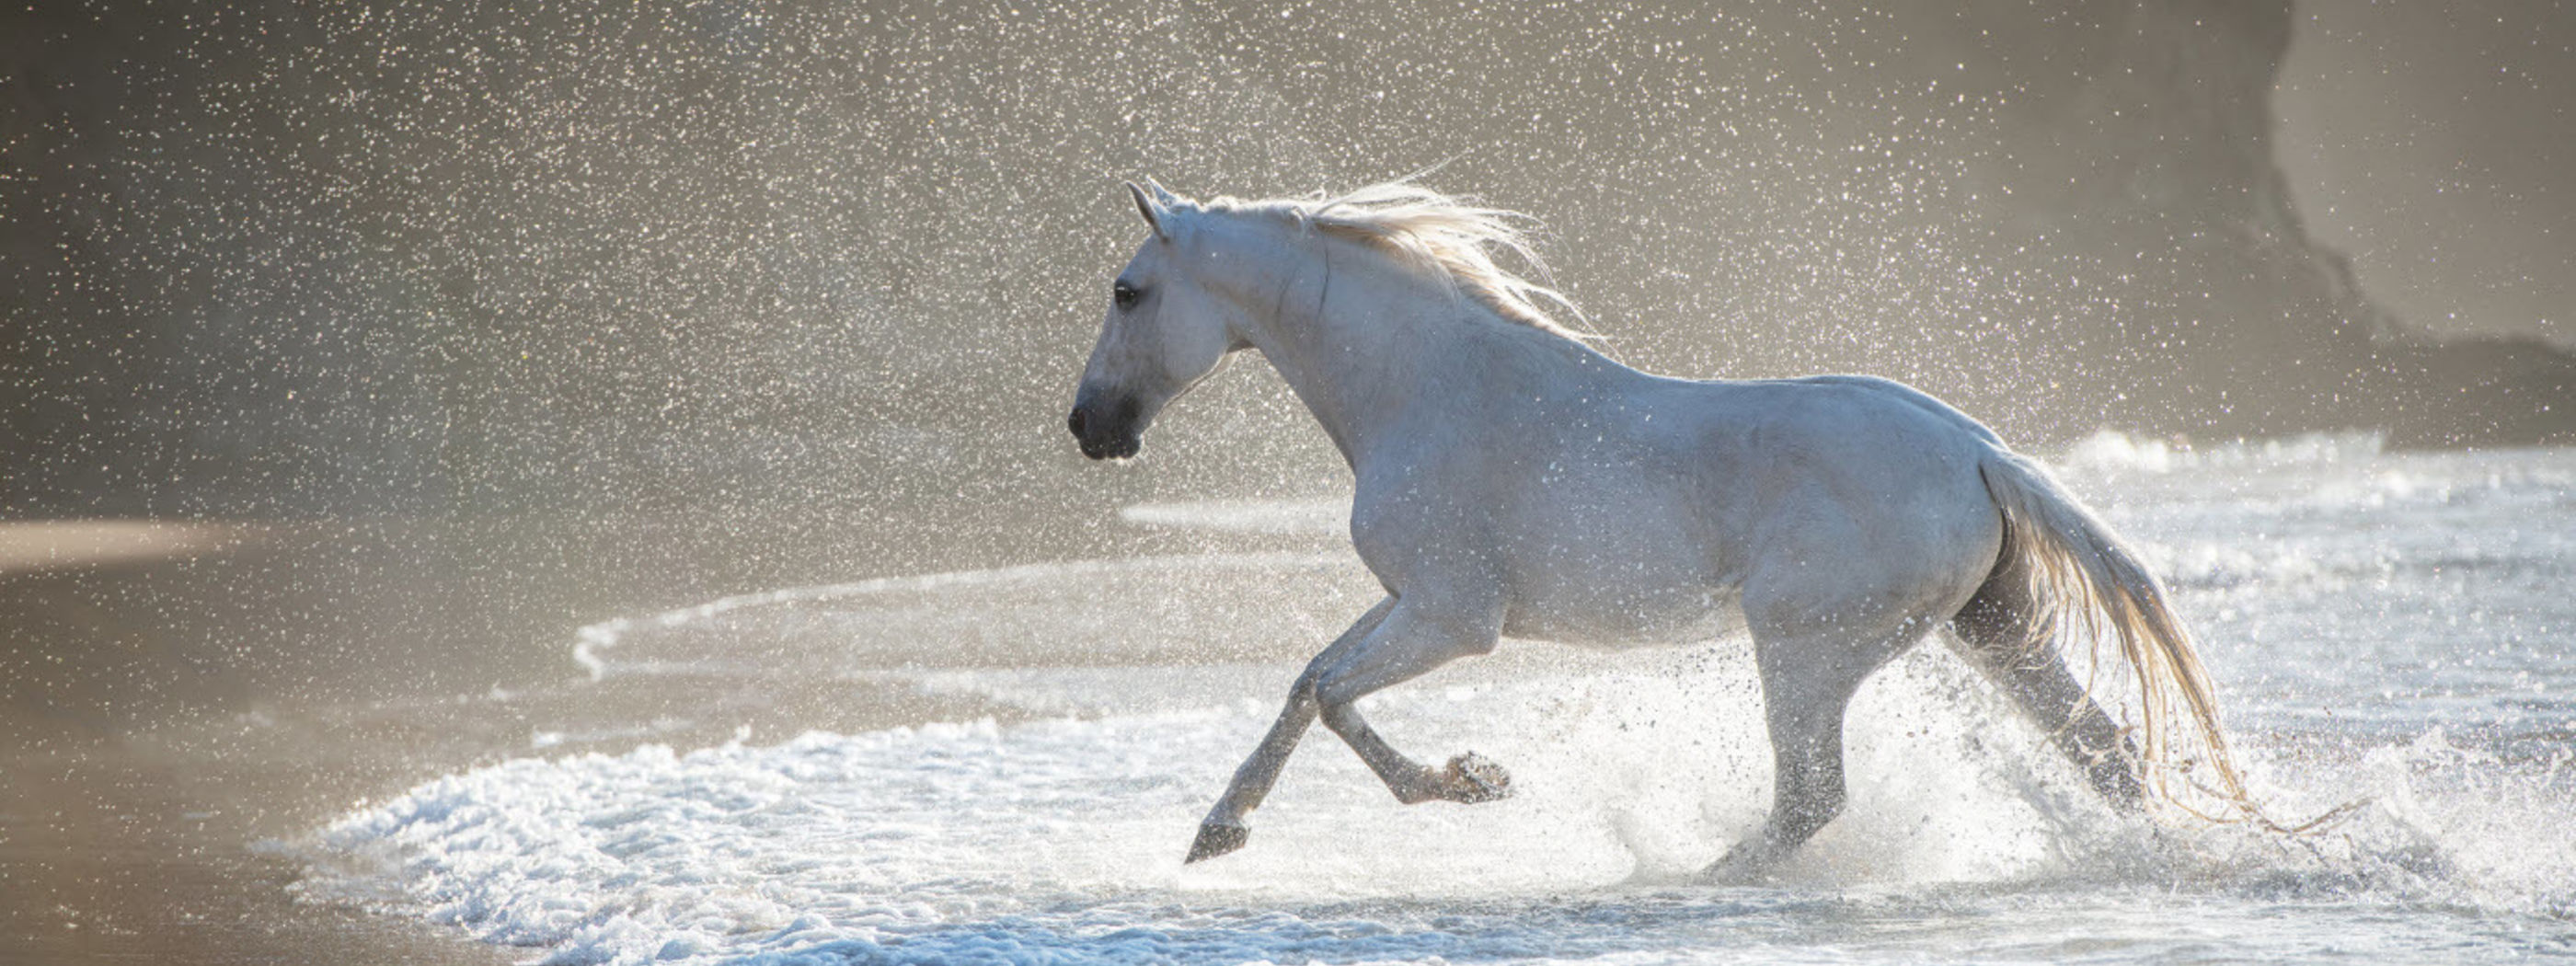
x: 2388, y: 629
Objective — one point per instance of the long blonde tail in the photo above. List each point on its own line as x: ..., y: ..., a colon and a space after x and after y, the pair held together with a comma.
x: 2084, y: 579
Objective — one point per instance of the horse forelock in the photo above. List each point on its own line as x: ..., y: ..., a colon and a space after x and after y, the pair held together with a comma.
x: 1455, y: 239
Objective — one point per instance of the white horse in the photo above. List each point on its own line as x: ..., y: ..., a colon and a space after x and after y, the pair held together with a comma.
x: 1513, y: 481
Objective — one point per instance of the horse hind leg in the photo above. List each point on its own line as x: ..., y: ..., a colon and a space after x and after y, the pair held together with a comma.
x: 1995, y: 634
x: 1808, y: 680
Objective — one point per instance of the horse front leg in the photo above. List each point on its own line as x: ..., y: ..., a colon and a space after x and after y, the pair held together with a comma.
x: 1224, y: 830
x: 1468, y: 778
x: 1413, y: 640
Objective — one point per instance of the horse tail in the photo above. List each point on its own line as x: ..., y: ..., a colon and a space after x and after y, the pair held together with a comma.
x: 2083, y: 578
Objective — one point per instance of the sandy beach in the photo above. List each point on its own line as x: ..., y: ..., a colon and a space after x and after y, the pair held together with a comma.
x: 180, y: 699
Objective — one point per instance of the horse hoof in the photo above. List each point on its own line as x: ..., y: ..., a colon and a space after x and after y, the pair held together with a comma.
x: 1215, y: 840
x: 1748, y: 863
x: 1473, y: 778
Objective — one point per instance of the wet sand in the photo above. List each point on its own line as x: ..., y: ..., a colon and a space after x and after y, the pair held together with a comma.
x: 181, y: 703
x: 125, y: 854
x: 176, y: 843
x: 166, y: 694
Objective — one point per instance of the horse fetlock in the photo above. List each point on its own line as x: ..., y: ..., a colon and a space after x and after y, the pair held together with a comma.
x: 1215, y: 839
x: 1425, y: 786
x: 1467, y: 779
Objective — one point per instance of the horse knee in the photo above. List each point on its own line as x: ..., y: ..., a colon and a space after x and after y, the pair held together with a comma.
x: 1303, y: 691
x: 1334, y: 694
x: 1337, y: 715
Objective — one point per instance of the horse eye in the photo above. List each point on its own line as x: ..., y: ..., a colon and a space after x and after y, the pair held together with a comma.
x: 1124, y: 295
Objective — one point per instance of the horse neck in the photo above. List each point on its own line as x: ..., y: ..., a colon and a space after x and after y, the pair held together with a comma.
x: 1381, y: 355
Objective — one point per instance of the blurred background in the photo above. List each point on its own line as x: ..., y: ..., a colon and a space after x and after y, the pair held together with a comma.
x: 355, y: 350
x: 286, y: 260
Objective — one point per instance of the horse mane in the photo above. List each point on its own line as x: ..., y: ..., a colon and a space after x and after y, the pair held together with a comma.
x: 1453, y: 238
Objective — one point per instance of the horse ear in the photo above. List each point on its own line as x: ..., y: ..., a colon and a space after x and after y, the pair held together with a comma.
x: 1151, y: 209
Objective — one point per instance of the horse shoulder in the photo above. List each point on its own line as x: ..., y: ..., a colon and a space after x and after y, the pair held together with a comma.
x: 1418, y: 512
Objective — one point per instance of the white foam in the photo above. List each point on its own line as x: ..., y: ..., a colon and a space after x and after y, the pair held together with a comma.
x: 938, y: 839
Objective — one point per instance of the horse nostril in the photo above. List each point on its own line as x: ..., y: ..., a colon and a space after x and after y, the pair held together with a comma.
x: 1074, y: 422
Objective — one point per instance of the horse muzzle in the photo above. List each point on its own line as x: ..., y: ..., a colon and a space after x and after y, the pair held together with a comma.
x: 1108, y: 431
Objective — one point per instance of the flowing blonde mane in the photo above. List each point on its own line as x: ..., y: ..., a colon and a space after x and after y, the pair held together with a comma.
x: 1452, y: 238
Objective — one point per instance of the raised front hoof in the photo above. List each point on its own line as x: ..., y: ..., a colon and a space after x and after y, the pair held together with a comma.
x: 1215, y: 840
x: 1472, y: 778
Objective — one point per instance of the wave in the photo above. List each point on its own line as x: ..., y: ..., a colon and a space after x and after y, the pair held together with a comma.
x: 2110, y: 450
x: 1059, y: 840
x: 1187, y: 607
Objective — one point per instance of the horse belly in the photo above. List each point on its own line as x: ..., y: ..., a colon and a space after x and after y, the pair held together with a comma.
x: 1623, y: 605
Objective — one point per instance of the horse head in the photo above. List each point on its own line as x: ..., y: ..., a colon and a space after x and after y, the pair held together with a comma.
x: 1164, y: 332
